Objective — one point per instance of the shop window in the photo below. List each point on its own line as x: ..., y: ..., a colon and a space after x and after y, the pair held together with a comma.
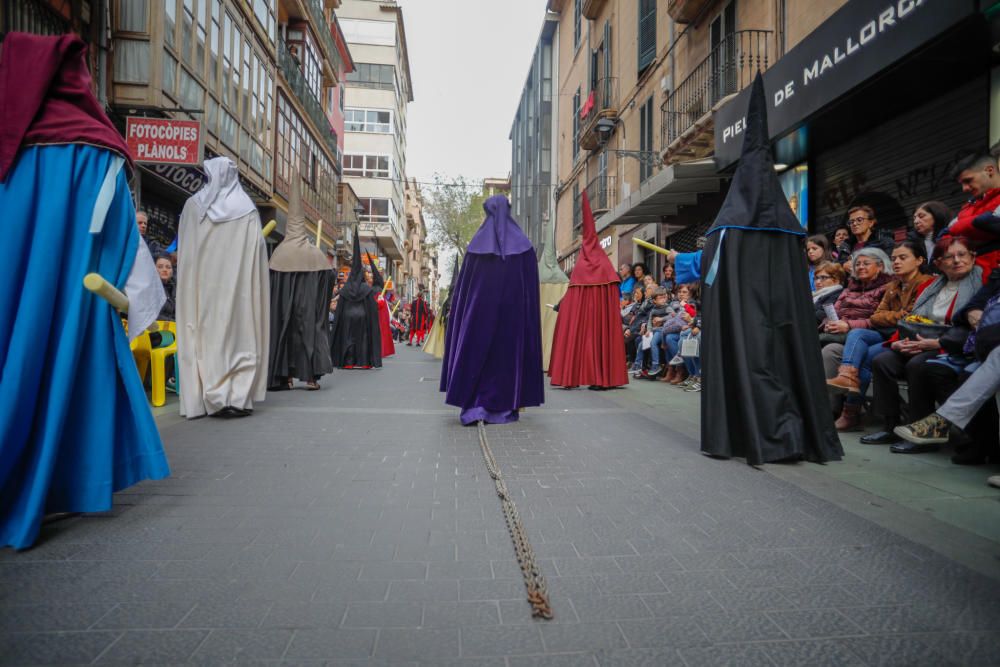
x: 169, y: 75
x: 795, y: 184
x: 191, y: 93
x: 131, y: 61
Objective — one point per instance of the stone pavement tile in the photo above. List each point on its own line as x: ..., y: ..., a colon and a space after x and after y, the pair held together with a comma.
x: 423, y: 591
x: 44, y: 550
x: 241, y: 646
x: 149, y: 615
x: 897, y: 650
x: 430, y: 645
x: 461, y: 569
x: 968, y: 648
x: 295, y: 591
x: 558, y: 660
x: 493, y: 589
x: 394, y: 570
x: 304, y: 615
x: 567, y: 637
x: 681, y: 603
x: 752, y: 598
x: 815, y: 623
x: 768, y: 559
x: 426, y: 552
x: 672, y: 632
x: 383, y: 615
x: 649, y: 563
x: 570, y: 567
x: 226, y: 615
x: 696, y: 581
x: 739, y: 626
x: 812, y: 652
x: 326, y: 570
x: 806, y: 597
x: 726, y: 655
x: 637, y: 582
x: 639, y: 658
x: 888, y: 620
x: 51, y: 570
x: 53, y: 648
x: 501, y: 640
x: 609, y: 607
x: 458, y: 614
x: 705, y: 561
x: 154, y: 646
x: 554, y: 549
x: 51, y: 617
x: 350, y: 591
x: 329, y: 644
x: 518, y: 612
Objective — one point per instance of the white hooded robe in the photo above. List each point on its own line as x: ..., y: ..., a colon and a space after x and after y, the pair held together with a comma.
x: 223, y: 297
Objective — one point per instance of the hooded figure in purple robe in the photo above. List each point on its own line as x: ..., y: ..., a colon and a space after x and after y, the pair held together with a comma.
x: 492, y: 362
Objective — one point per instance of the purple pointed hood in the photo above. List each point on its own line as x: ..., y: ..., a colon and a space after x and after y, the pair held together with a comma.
x: 499, y: 234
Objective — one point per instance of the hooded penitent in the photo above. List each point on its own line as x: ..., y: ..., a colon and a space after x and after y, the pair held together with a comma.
x: 588, y: 347
x: 385, y: 329
x: 764, y: 396
x: 357, y: 339
x: 74, y: 422
x: 435, y: 338
x: 301, y: 287
x: 223, y: 298
x: 493, y: 349
x: 553, y: 284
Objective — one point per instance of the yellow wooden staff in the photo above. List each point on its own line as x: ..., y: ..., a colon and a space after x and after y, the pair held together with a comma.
x: 96, y: 284
x: 319, y: 233
x: 268, y: 228
x: 651, y: 246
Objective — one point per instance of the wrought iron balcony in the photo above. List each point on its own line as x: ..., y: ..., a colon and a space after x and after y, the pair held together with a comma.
x: 686, y: 11
x: 290, y: 69
x: 601, y: 192
x: 600, y: 104
x: 729, y: 67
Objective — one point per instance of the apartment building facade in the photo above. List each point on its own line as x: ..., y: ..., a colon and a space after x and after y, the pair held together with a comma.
x: 651, y: 95
x: 376, y: 96
x: 419, y: 267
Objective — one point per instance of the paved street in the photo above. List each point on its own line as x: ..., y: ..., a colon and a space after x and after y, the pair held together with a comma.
x: 357, y: 525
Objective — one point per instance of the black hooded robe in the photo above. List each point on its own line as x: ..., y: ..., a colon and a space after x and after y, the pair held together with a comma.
x: 300, y: 304
x: 763, y: 387
x: 356, y: 338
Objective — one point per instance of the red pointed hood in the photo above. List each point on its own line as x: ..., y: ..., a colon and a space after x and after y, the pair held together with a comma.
x: 592, y: 266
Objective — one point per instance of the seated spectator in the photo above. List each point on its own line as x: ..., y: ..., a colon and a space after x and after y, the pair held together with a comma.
x: 668, y: 282
x: 684, y: 314
x: 865, y: 342
x: 937, y: 302
x: 634, y: 325
x: 166, y: 271
x: 863, y: 223
x: 830, y: 279
x: 840, y: 248
x: 649, y: 284
x: 627, y: 305
x: 930, y: 219
x: 658, y: 314
x: 817, y: 252
x: 628, y: 282
x: 978, y: 220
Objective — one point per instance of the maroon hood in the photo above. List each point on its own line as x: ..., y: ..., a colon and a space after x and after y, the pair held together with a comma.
x: 45, y: 97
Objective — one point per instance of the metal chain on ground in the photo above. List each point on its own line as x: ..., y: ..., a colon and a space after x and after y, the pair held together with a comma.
x: 538, y: 594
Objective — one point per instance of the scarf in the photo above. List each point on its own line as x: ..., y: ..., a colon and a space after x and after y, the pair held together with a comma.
x: 967, y: 287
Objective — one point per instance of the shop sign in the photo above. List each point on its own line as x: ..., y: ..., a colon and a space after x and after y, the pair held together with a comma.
x: 861, y: 39
x: 187, y: 179
x: 606, y: 243
x: 164, y: 140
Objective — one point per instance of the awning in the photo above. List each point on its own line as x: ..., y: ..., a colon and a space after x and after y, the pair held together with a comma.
x: 674, y: 186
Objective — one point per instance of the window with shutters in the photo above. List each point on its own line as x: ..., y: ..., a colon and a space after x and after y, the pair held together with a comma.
x: 576, y: 123
x: 577, y: 31
x: 647, y: 33
x: 646, y: 137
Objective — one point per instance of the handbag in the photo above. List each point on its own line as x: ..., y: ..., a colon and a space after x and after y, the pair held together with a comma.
x: 909, y: 330
x: 689, y: 346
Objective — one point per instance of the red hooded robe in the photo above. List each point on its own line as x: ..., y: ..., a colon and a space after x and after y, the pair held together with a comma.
x: 588, y: 347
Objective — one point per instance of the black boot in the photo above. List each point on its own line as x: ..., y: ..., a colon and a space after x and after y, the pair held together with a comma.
x: 885, y: 436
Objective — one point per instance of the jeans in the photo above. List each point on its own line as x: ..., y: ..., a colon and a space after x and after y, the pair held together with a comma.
x: 672, y: 341
x: 692, y: 364
x: 861, y: 346
x: 654, y: 349
x: 981, y: 386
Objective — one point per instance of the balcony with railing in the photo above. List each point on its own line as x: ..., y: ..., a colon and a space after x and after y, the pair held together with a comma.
x: 601, y: 192
x: 292, y: 72
x: 592, y: 9
x: 601, y: 104
x: 687, y: 129
x: 686, y: 11
x: 312, y: 11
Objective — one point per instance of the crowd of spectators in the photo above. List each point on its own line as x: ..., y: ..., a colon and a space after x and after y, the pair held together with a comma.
x: 909, y: 329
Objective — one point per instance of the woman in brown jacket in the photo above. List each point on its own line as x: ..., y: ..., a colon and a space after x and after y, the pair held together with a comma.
x: 863, y: 343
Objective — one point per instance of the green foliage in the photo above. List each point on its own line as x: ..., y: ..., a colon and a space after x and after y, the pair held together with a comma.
x: 454, y: 210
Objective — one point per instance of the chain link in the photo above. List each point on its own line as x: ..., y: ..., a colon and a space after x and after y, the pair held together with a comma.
x: 538, y: 594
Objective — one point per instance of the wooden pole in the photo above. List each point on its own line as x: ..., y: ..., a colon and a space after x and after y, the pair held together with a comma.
x: 650, y: 246
x: 268, y: 228
x: 102, y: 288
x: 319, y: 232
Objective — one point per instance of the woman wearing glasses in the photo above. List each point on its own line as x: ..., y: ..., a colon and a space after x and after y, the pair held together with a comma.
x: 938, y: 301
x: 862, y: 222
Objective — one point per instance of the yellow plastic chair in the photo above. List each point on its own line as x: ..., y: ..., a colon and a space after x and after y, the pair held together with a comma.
x: 158, y: 361
x: 141, y: 349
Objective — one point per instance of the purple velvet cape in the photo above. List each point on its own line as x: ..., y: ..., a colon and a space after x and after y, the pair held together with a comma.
x: 493, y: 342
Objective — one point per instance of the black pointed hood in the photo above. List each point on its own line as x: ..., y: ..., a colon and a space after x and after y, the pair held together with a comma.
x: 377, y: 281
x: 355, y: 288
x: 755, y: 200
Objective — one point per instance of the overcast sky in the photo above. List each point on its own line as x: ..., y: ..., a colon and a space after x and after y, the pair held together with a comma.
x: 469, y: 60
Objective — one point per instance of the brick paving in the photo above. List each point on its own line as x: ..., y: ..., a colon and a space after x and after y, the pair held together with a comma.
x: 358, y: 526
